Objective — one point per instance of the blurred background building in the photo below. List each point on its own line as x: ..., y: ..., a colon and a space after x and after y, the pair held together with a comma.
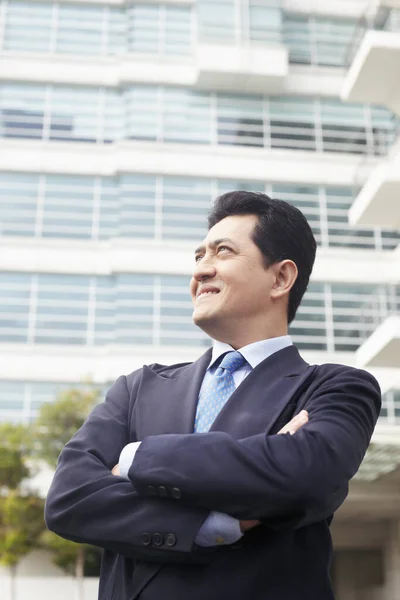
x: 121, y: 121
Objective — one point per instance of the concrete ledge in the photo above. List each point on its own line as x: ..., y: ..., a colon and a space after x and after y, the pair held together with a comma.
x: 247, y: 68
x: 382, y: 348
x: 377, y: 204
x: 374, y: 75
x: 193, y: 160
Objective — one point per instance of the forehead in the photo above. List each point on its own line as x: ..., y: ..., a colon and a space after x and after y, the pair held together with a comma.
x: 238, y: 228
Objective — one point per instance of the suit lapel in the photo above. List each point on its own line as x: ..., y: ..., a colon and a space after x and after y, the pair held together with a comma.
x: 273, y: 386
x: 166, y: 403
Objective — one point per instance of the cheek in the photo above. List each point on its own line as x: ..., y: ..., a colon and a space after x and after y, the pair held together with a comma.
x: 192, y: 287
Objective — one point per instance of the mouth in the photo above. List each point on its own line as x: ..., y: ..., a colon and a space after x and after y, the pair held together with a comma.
x: 207, y: 293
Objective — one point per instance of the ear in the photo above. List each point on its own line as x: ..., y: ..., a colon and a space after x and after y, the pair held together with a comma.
x: 285, y: 276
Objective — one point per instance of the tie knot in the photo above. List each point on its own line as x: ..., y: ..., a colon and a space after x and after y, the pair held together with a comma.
x: 232, y: 361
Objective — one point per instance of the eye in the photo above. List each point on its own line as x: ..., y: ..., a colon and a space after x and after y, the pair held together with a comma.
x: 198, y: 257
x: 223, y: 248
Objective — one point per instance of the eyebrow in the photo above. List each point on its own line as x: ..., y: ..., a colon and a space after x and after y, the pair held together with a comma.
x: 214, y: 244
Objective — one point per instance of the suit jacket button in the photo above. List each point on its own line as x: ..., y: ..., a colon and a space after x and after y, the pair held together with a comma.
x: 152, y: 490
x: 176, y: 493
x: 158, y: 539
x: 170, y: 539
x: 162, y: 491
x: 145, y: 538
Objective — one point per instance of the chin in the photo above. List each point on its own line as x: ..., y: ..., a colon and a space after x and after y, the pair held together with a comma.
x: 209, y: 324
x: 199, y: 318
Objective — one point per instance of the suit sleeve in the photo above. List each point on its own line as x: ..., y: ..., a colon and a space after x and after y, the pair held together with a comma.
x: 87, y: 504
x: 280, y: 479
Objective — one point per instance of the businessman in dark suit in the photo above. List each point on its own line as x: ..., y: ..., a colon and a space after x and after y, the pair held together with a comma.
x: 218, y: 479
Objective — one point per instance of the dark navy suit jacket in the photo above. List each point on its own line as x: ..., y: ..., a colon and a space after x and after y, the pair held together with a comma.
x: 293, y: 484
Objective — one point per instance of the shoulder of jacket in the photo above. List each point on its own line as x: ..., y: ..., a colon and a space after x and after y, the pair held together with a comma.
x: 166, y: 370
x: 336, y: 370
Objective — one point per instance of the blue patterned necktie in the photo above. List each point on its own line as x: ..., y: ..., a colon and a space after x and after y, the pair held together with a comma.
x: 217, y: 392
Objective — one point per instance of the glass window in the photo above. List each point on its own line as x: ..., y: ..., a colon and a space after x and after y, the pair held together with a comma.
x: 144, y: 24
x: 332, y: 39
x: 147, y: 309
x: 181, y: 115
x: 392, y: 21
x: 15, y: 297
x: 70, y: 295
x: 68, y: 206
x: 27, y: 26
x: 137, y: 202
x: 117, y: 42
x: 12, y: 396
x: 80, y: 30
x: 344, y: 127
x: 187, y: 116
x: 157, y: 207
x: 318, y: 40
x: 292, y: 123
x: 217, y: 20
x: 142, y: 113
x: 240, y: 120
x: 159, y: 29
x: 178, y: 34
x: 265, y: 21
x: 22, y: 110
x: 297, y: 37
x: 385, y: 127
x: 75, y: 114
x: 390, y: 239
x: 18, y: 201
x: 186, y: 203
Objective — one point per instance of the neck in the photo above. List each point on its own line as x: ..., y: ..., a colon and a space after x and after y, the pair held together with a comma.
x: 238, y: 339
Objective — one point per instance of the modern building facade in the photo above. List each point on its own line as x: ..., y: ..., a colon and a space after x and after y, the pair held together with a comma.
x: 120, y: 122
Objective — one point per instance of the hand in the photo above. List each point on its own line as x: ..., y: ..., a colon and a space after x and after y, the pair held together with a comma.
x: 294, y: 425
x: 115, y: 470
x: 247, y: 525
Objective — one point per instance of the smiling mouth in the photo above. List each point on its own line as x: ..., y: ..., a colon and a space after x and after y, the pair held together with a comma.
x: 205, y: 294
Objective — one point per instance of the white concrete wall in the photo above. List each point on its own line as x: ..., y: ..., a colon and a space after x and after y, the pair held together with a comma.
x: 48, y: 588
x: 233, y: 162
x: 87, y: 257
x: 38, y: 578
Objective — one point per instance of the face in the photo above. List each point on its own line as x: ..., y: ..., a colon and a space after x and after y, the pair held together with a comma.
x: 230, y: 286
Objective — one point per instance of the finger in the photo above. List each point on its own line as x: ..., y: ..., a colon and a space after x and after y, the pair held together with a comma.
x: 296, y: 423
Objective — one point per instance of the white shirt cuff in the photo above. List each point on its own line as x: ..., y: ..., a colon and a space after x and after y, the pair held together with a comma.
x: 219, y: 529
x: 126, y: 458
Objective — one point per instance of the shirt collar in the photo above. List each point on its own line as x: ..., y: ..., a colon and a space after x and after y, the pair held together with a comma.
x: 253, y: 353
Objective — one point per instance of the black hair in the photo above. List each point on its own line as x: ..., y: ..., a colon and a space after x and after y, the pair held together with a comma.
x: 282, y: 232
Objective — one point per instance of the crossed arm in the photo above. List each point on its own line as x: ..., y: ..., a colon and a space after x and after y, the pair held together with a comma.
x: 281, y: 480
x: 207, y: 534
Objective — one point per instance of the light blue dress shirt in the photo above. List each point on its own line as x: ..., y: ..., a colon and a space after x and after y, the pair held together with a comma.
x: 220, y: 528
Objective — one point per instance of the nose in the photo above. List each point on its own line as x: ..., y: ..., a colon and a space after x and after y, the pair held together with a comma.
x: 204, y: 270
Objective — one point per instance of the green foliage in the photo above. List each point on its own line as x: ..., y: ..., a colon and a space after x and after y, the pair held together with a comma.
x: 14, y: 447
x: 67, y: 554
x: 21, y: 524
x: 58, y: 421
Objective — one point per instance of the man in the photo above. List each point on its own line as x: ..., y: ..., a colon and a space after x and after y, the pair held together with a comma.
x: 245, y: 454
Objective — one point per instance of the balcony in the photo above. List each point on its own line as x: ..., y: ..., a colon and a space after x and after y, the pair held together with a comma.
x: 382, y: 347
x: 377, y: 204
x: 374, y: 74
x: 249, y: 68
